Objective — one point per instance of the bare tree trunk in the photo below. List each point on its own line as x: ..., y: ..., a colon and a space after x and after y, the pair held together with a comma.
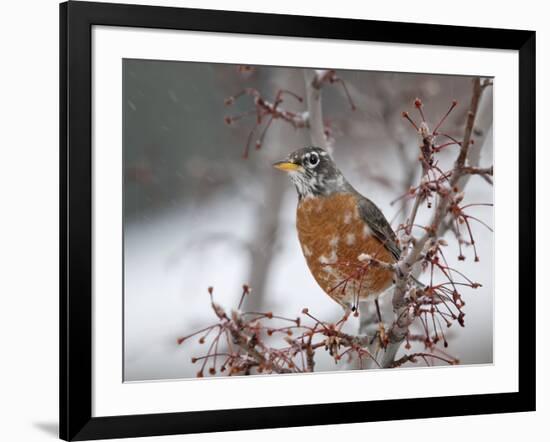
x: 263, y: 243
x: 280, y: 140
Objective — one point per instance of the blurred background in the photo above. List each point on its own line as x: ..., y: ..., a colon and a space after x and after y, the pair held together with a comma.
x: 196, y: 214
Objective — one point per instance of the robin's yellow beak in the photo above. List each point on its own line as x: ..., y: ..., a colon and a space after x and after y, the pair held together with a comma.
x: 287, y: 166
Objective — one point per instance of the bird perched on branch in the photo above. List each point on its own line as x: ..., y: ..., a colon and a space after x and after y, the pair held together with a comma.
x: 337, y: 228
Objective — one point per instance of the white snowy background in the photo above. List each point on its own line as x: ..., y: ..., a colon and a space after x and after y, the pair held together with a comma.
x: 198, y: 215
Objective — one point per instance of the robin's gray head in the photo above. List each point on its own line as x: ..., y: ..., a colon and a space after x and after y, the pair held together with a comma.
x: 313, y: 172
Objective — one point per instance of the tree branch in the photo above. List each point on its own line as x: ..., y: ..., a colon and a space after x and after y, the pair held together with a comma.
x: 314, y: 110
x: 403, y: 290
x: 248, y: 345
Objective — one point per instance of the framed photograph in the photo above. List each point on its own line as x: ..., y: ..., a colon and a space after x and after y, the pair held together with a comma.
x: 273, y: 220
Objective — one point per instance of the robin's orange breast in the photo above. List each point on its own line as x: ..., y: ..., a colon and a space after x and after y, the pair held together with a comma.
x: 332, y: 235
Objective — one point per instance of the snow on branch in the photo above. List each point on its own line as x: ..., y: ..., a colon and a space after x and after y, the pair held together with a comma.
x: 266, y: 111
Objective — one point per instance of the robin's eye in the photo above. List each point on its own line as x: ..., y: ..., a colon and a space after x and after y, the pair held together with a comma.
x: 313, y: 159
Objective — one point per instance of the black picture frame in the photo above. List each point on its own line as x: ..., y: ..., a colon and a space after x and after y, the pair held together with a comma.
x: 76, y: 21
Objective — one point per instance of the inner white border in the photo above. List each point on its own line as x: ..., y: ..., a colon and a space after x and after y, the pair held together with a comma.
x: 113, y: 397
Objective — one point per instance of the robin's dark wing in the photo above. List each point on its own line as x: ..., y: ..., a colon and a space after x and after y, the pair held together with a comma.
x: 378, y: 223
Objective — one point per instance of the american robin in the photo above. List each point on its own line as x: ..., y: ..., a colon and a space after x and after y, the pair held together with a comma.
x: 336, y: 224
